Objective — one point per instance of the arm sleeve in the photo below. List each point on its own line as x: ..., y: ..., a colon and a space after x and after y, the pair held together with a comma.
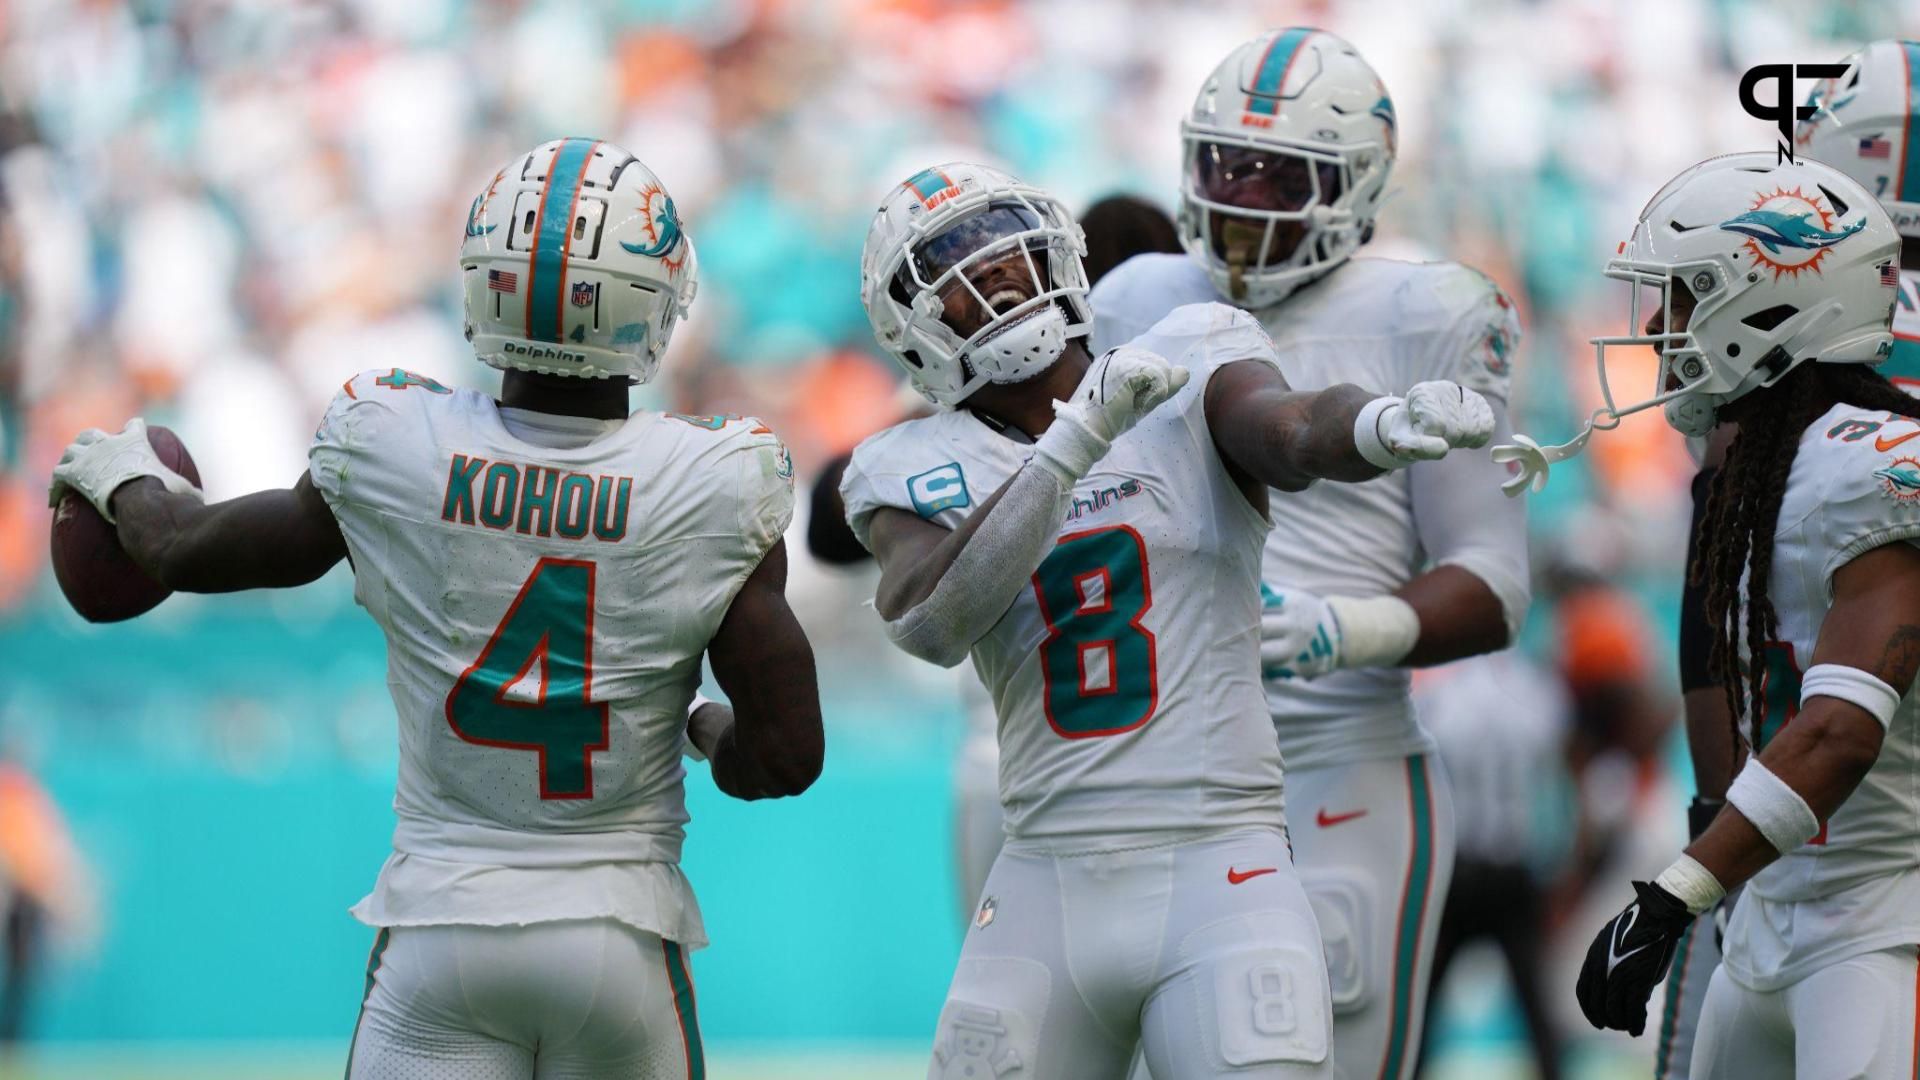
x: 348, y: 440
x: 766, y: 490
x: 1871, y: 499
x: 1696, y: 637
x: 1481, y: 339
x: 1463, y: 520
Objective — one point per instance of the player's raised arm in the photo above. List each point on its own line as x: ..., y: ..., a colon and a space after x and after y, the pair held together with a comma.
x: 269, y: 539
x: 1287, y: 439
x: 941, y: 591
x: 770, y: 743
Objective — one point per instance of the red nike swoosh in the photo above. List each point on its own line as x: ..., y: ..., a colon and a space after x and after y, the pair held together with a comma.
x: 1884, y: 444
x: 1328, y: 821
x: 1235, y: 877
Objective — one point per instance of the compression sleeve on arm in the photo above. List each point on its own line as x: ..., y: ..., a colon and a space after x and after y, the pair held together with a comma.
x: 990, y: 570
x: 1463, y: 520
x: 1696, y: 637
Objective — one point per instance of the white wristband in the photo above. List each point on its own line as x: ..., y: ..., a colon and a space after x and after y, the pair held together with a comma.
x: 1851, y: 685
x: 1778, y: 811
x: 1366, y: 433
x: 1068, y: 448
x: 693, y: 743
x: 1375, y: 631
x: 1694, y: 884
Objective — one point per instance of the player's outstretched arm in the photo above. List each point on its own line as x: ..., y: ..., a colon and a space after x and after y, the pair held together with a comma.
x: 269, y: 539
x: 774, y: 745
x: 1287, y: 439
x: 1864, y: 661
x: 941, y: 591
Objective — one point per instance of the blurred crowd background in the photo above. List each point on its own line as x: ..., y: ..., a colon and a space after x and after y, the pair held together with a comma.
x: 213, y: 211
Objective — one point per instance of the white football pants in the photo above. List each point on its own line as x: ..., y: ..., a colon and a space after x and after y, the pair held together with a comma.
x: 578, y: 1000
x: 1855, y: 1018
x: 1205, y: 952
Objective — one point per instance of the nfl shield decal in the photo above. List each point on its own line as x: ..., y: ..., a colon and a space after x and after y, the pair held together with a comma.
x: 584, y: 293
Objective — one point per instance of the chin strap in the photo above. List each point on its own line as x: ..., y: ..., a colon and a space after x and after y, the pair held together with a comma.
x: 1534, y: 460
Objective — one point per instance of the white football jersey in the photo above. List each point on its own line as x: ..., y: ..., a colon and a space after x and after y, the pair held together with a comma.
x: 1125, y: 680
x: 546, y: 611
x: 1383, y: 325
x: 1854, y: 486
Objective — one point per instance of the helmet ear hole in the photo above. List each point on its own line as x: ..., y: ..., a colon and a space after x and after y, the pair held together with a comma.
x: 1767, y: 319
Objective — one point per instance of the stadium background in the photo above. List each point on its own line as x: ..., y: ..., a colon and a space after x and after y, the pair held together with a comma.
x: 213, y: 212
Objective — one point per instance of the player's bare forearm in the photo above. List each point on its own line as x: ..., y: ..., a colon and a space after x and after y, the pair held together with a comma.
x: 1281, y: 437
x: 269, y: 539
x: 1827, y: 749
x: 1459, y: 616
x: 762, y: 659
x: 1822, y: 755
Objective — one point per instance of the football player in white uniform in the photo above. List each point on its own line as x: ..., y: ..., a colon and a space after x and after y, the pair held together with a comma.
x: 1288, y: 149
x: 1776, y: 285
x: 548, y: 571
x: 1089, y: 531
x: 1860, y: 126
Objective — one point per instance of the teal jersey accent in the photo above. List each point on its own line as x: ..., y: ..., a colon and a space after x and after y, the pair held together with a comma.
x: 1097, y: 661
x: 546, y: 279
x: 1264, y: 97
x: 1903, y: 367
x: 545, y: 636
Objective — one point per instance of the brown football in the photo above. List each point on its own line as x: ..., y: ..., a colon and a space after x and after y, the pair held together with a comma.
x: 99, y: 578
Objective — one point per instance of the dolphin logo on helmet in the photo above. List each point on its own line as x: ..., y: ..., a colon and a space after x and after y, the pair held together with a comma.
x: 1775, y: 230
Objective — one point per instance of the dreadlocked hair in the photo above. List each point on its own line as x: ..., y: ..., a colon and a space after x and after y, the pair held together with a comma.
x: 1743, y: 509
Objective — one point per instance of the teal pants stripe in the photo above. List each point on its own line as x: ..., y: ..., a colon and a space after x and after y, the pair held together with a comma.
x: 553, y: 238
x: 1413, y: 910
x: 1676, y: 993
x: 373, y: 965
x: 683, y: 1007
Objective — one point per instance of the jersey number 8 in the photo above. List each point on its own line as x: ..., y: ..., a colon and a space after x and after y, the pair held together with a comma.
x: 1097, y: 661
x: 550, y: 623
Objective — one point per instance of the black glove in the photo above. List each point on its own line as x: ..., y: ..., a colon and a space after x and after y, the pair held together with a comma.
x: 1629, y: 958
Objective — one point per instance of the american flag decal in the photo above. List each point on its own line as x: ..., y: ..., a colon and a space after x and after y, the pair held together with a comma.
x: 1876, y: 148
x: 1889, y: 275
x: 503, y: 281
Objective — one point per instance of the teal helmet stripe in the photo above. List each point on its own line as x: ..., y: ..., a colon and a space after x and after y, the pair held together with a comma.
x: 1907, y: 186
x: 929, y: 182
x: 547, y: 265
x: 1264, y: 96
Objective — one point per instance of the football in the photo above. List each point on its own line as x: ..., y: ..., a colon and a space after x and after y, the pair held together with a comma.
x: 96, y: 574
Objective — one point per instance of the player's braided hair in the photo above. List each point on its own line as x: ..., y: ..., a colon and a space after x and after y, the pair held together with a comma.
x: 1743, y: 510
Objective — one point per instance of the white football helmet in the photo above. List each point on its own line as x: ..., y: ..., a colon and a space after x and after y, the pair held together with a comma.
x: 574, y: 263
x: 1862, y: 126
x: 937, y: 230
x: 1286, y: 158
x: 1785, y: 264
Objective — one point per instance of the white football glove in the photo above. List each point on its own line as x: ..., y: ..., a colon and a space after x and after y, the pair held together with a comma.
x: 1299, y: 637
x: 95, y: 464
x: 1120, y: 387
x: 1434, y: 418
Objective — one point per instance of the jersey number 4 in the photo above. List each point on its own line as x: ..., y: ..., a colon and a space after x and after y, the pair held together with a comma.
x: 1097, y: 661
x: 549, y: 624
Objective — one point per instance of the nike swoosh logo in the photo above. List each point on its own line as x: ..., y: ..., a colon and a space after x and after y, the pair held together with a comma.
x: 1235, y: 877
x: 1614, y: 955
x: 1884, y: 444
x: 1328, y: 821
